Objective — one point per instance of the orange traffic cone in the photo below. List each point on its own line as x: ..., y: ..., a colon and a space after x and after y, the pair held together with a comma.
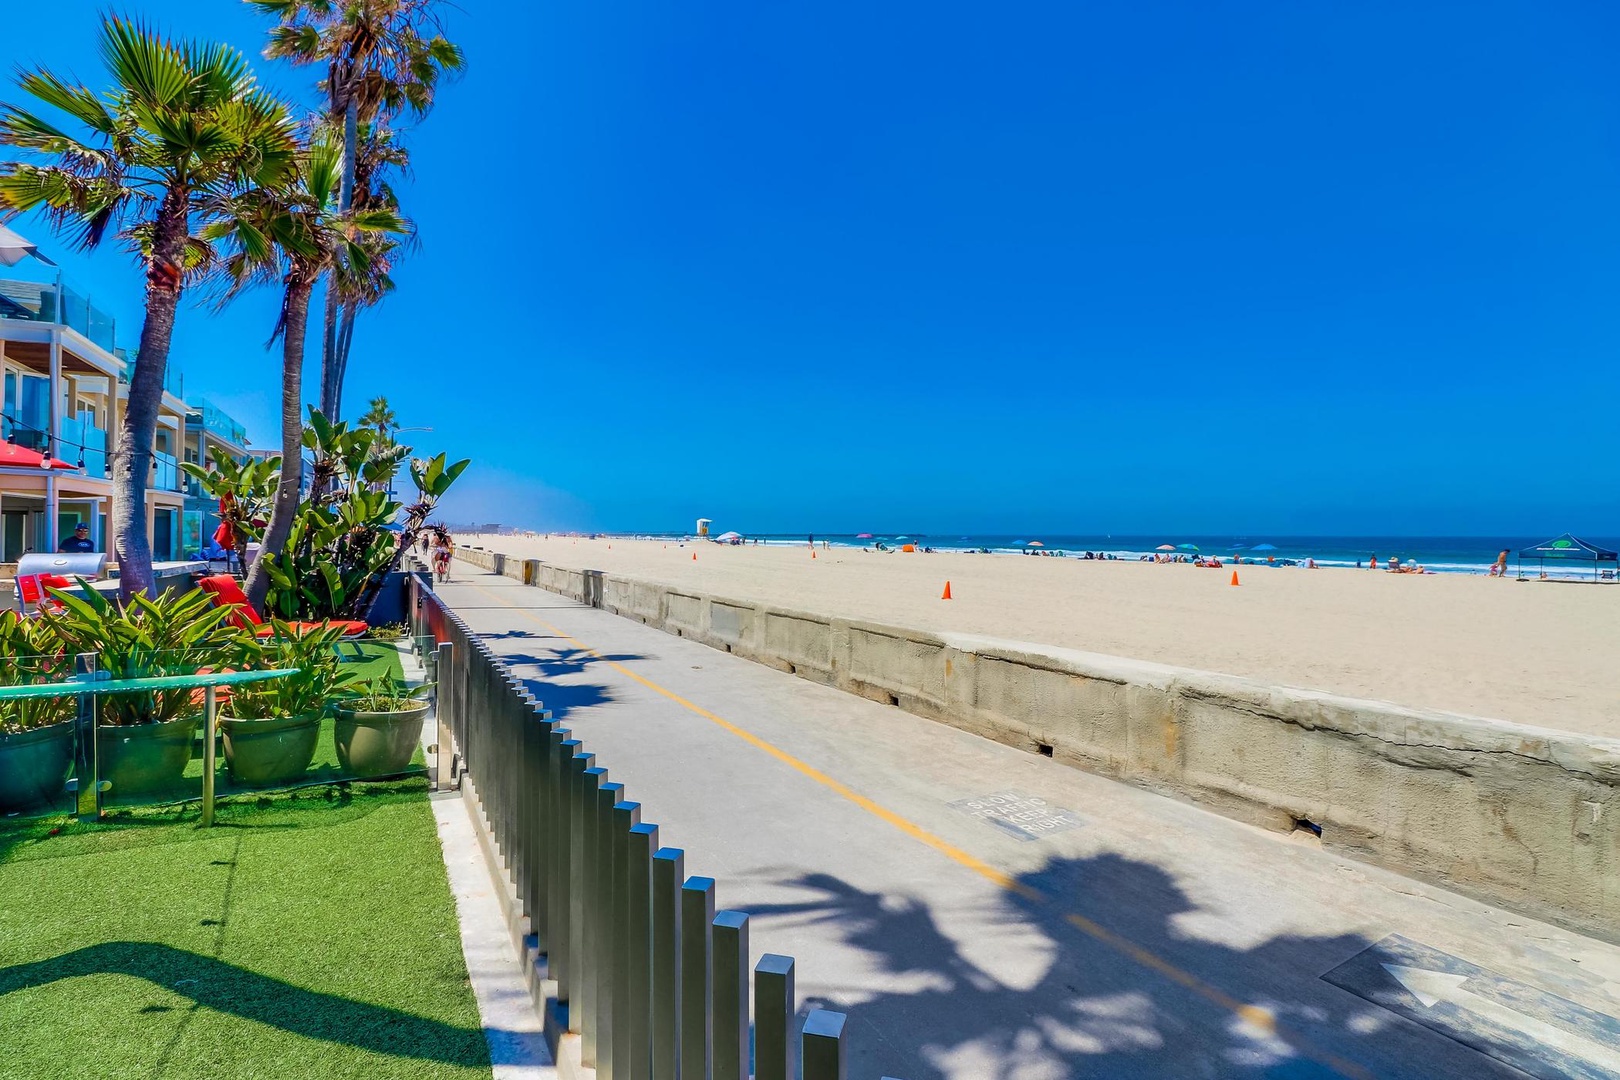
x: 1234, y: 577
x: 694, y: 556
x: 812, y: 553
x: 947, y: 594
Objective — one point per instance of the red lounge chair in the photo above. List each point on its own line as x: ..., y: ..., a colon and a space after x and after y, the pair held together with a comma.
x: 31, y: 592
x: 226, y: 592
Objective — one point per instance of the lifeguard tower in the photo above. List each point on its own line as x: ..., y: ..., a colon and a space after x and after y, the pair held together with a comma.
x: 703, y: 526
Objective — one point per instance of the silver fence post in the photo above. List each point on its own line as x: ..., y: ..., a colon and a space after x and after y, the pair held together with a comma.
x: 599, y: 980
x: 822, y: 1046
x: 668, y: 869
x: 589, y: 874
x: 578, y: 765
x: 548, y: 864
x: 626, y: 816
x: 443, y: 702
x: 542, y: 730
x: 561, y: 960
x: 87, y: 768
x: 731, y: 995
x: 643, y: 842
x: 773, y: 1016
x: 697, y: 1023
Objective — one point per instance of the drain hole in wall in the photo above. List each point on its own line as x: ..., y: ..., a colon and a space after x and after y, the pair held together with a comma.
x: 1307, y: 825
x: 793, y: 669
x: 894, y: 699
x: 728, y: 648
x: 679, y: 634
x: 1043, y: 749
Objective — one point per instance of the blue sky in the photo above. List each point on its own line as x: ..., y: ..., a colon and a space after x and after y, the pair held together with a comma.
x: 1296, y: 268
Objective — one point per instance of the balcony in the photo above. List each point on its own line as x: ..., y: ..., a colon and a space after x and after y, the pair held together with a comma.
x: 166, y: 476
x: 28, y: 301
x: 174, y: 380
x: 217, y: 421
x: 75, y: 434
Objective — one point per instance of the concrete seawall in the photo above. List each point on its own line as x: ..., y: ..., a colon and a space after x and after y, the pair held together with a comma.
x: 1521, y: 816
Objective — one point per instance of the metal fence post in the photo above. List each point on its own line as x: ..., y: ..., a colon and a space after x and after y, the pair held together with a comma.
x: 573, y: 930
x: 697, y: 1023
x: 822, y: 1046
x: 87, y: 769
x: 598, y: 1044
x: 668, y: 868
x: 773, y: 1016
x: 589, y: 874
x: 731, y: 995
x: 643, y: 842
x: 626, y: 815
x: 560, y: 959
x: 210, y: 734
x: 443, y: 703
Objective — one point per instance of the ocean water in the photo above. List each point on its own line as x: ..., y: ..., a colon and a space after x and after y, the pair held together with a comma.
x: 1442, y: 554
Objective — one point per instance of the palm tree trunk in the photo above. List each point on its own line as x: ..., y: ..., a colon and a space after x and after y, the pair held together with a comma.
x: 295, y: 313
x: 345, y: 338
x: 133, y: 462
x: 331, y: 373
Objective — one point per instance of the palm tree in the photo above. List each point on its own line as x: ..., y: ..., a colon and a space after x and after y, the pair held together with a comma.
x: 294, y: 233
x: 381, y: 417
x: 382, y: 57
x: 182, y: 123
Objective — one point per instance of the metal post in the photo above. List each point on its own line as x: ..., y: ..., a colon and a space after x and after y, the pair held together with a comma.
x: 731, y: 995
x: 210, y: 722
x: 561, y: 961
x: 574, y: 916
x: 668, y: 868
x: 643, y: 842
x: 822, y: 1046
x: 88, y: 767
x: 590, y: 877
x: 773, y: 1016
x: 443, y: 703
x: 626, y: 815
x: 697, y: 1024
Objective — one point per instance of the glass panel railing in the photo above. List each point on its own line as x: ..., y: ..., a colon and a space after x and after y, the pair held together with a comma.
x: 167, y: 476
x: 34, y: 302
x: 83, y: 441
x: 221, y: 423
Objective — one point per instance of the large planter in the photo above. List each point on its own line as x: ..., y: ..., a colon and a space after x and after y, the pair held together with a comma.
x: 377, y: 744
x: 142, y: 759
x: 34, y: 765
x: 262, y: 752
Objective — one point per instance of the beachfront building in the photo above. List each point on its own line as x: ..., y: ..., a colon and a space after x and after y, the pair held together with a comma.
x: 212, y: 435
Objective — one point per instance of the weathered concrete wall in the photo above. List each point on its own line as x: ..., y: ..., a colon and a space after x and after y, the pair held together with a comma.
x: 1521, y: 816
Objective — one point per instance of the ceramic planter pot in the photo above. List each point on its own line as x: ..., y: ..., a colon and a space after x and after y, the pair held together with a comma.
x: 377, y: 744
x: 34, y: 765
x: 277, y: 751
x: 145, y: 758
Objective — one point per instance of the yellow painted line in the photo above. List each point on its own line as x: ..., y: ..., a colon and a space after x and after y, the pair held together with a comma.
x: 1256, y: 1015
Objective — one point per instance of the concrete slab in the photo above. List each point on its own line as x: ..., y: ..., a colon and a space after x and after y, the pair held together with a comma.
x: 1156, y: 940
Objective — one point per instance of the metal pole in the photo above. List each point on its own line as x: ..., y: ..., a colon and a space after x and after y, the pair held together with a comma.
x: 561, y: 960
x: 731, y: 995
x: 697, y: 965
x: 590, y: 874
x: 209, y: 725
x: 823, y: 1046
x: 643, y: 842
x: 626, y: 815
x: 443, y: 703
x: 669, y: 868
x: 88, y: 766
x: 578, y: 766
x: 773, y: 1017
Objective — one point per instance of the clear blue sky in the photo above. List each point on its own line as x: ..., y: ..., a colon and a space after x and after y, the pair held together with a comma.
x: 940, y: 266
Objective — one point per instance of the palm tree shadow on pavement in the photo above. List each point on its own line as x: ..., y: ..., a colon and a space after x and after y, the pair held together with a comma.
x: 1125, y: 993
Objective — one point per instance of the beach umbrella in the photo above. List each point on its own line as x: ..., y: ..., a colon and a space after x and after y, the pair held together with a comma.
x: 1034, y: 543
x: 1264, y: 547
x: 1188, y: 547
x: 15, y: 248
x: 863, y: 536
x: 729, y: 536
x: 1165, y: 547
x: 902, y: 538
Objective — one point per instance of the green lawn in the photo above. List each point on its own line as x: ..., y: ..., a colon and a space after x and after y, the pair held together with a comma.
x: 305, y: 935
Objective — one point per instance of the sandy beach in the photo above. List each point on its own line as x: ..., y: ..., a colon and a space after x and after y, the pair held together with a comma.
x: 1533, y: 652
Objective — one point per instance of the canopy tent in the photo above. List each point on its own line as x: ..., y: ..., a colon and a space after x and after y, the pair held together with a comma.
x: 1567, y: 548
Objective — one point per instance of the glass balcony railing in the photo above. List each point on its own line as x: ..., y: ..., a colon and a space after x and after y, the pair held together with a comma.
x: 174, y: 380
x: 221, y: 423
x: 81, y: 433
x: 55, y: 303
x: 167, y: 475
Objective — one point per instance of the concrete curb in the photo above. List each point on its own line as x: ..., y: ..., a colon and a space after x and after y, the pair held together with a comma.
x: 1509, y: 813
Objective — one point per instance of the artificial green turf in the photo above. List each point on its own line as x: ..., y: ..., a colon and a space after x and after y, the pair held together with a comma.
x: 307, y: 935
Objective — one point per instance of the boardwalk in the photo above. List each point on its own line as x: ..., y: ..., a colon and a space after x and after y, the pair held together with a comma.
x: 984, y: 913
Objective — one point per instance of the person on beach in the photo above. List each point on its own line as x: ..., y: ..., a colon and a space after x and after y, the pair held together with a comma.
x: 1373, y: 564
x: 1500, y: 569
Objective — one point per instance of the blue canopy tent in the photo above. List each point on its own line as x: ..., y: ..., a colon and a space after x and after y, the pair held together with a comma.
x: 1566, y: 549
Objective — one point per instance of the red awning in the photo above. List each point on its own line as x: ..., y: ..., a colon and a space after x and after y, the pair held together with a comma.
x: 20, y: 457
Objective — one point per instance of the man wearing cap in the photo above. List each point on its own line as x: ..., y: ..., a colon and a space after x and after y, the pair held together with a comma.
x: 80, y: 542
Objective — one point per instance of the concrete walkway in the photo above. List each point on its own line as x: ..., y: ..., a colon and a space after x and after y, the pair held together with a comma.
x: 981, y: 912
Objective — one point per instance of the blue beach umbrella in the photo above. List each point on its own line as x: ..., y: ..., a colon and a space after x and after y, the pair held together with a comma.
x: 1188, y: 547
x: 1264, y: 547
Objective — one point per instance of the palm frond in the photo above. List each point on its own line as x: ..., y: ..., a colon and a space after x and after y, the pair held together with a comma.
x: 151, y: 69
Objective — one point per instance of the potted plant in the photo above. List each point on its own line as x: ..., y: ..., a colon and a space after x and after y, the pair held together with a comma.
x: 275, y: 725
x: 378, y: 728
x: 36, y: 734
x: 144, y: 738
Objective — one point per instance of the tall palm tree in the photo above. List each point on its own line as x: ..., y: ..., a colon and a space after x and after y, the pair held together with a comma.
x: 382, y: 57
x: 294, y: 233
x: 381, y: 417
x: 181, y: 123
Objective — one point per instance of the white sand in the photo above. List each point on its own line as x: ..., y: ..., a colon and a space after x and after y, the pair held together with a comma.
x: 1538, y: 653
